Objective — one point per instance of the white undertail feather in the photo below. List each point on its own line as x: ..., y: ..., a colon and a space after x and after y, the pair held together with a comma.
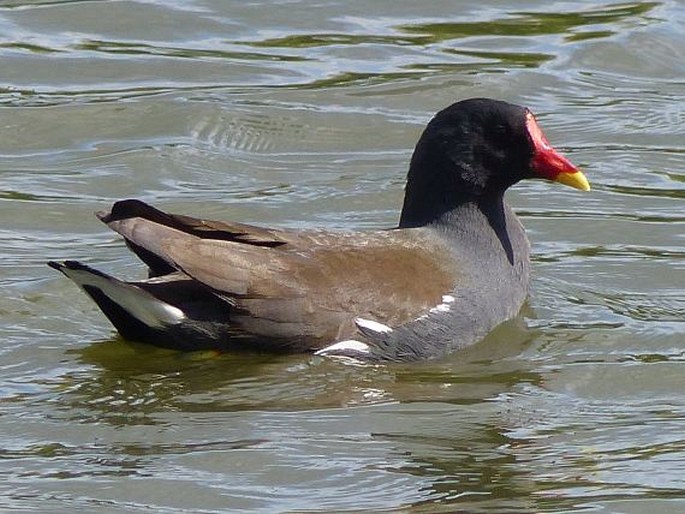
x: 138, y: 303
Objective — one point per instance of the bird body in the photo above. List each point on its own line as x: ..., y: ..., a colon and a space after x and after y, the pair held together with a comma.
x: 455, y: 267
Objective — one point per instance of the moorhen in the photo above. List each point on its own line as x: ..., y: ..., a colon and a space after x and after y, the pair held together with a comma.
x: 455, y: 267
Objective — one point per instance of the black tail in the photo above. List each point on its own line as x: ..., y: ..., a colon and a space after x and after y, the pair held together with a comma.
x: 135, y: 313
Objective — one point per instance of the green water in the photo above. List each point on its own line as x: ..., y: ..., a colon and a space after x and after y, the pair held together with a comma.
x: 303, y: 114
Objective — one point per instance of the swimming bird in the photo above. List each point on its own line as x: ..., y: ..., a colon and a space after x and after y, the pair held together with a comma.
x: 456, y: 266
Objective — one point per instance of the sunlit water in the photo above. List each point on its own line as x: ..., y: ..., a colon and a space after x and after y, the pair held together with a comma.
x: 305, y: 114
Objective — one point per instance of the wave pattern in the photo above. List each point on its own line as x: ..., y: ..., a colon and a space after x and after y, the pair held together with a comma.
x: 304, y: 114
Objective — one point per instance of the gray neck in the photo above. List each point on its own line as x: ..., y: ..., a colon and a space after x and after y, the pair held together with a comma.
x: 486, y: 232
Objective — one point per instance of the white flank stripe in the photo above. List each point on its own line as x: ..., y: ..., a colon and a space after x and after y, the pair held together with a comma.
x: 349, y: 345
x: 445, y: 306
x: 441, y: 307
x: 373, y: 326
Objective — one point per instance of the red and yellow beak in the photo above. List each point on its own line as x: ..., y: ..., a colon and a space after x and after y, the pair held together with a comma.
x: 548, y: 163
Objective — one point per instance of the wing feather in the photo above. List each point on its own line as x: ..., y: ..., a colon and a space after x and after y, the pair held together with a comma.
x: 305, y: 283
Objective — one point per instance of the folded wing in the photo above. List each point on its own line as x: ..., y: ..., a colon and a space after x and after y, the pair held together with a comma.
x: 306, y: 286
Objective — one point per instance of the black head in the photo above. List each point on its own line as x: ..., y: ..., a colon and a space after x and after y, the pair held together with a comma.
x: 475, y: 149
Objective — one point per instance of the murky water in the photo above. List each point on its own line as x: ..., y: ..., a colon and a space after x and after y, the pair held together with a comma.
x: 305, y: 114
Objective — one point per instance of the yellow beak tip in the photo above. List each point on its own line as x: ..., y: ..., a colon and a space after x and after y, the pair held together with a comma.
x: 575, y: 179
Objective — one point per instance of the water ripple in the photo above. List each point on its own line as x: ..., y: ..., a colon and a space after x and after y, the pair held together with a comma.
x: 305, y: 114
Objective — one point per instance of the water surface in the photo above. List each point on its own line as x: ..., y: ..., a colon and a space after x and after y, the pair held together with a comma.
x: 304, y: 114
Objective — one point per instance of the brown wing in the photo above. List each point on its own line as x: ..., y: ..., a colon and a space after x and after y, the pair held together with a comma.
x: 220, y: 230
x: 307, y: 284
